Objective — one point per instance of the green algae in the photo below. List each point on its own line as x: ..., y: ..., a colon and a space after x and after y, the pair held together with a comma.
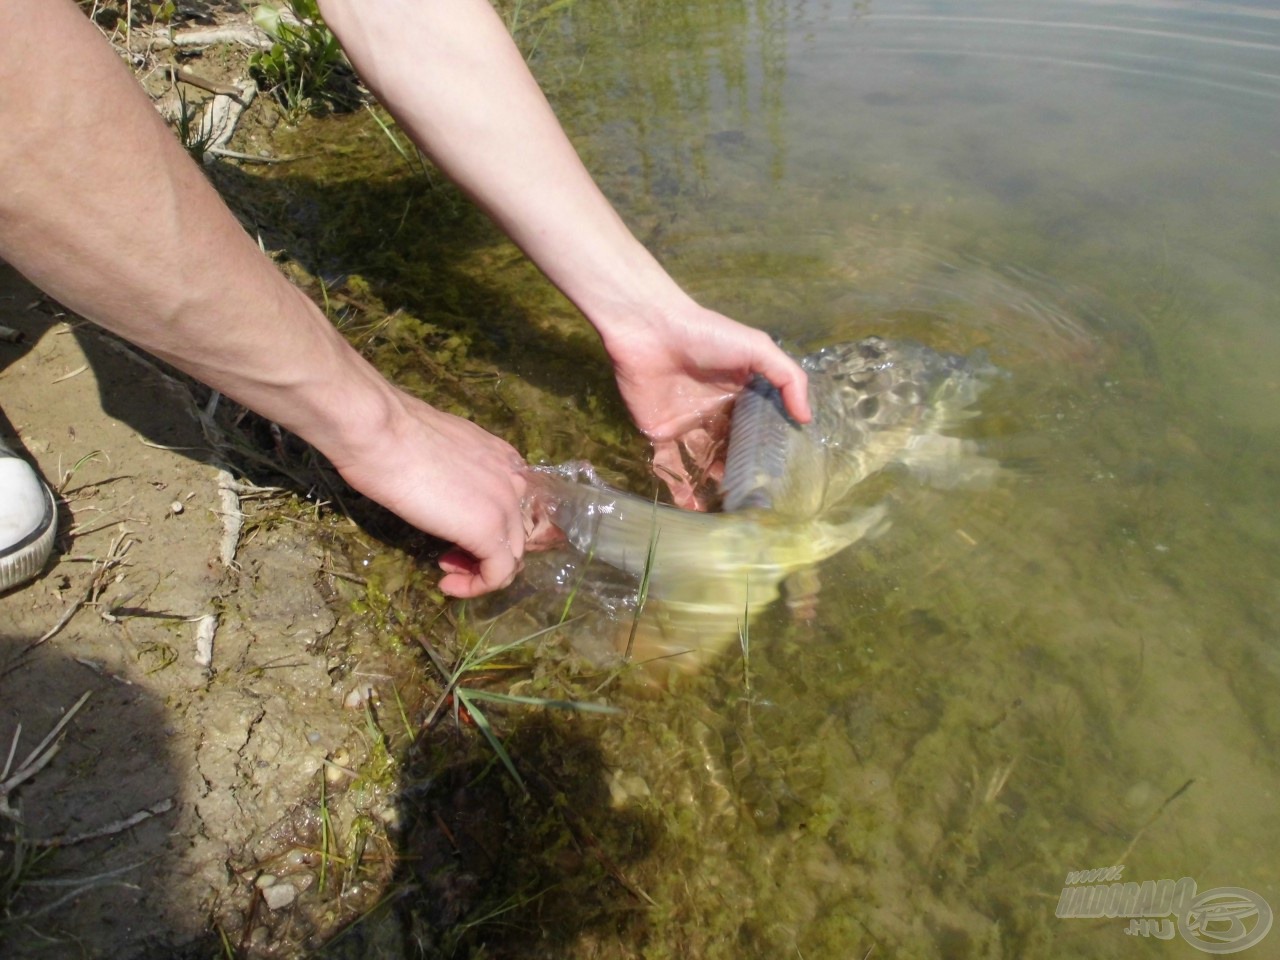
x: 428, y: 289
x: 992, y: 693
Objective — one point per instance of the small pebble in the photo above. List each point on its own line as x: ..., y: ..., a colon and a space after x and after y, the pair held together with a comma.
x: 1140, y: 796
x: 625, y: 787
x: 389, y: 814
x: 176, y: 506
x: 279, y: 895
x: 359, y: 696
x: 332, y: 774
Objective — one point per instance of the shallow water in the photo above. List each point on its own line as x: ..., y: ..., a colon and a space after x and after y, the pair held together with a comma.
x: 1077, y: 669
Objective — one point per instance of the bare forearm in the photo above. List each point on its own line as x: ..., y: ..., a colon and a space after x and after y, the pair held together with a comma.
x: 453, y: 78
x: 103, y: 209
x: 450, y: 73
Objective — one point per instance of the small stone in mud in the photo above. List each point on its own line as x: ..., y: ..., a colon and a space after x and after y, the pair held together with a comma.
x: 389, y: 814
x: 279, y: 895
x: 359, y: 696
x: 625, y: 787
x: 1139, y: 796
x: 335, y: 772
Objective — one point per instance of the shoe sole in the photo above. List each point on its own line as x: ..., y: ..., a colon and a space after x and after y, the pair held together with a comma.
x: 26, y: 558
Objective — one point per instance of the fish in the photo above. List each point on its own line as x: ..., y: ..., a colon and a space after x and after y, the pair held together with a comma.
x: 875, y: 403
x: 788, y: 494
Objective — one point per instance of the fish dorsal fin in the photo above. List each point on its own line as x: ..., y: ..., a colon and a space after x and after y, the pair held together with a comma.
x: 756, y: 460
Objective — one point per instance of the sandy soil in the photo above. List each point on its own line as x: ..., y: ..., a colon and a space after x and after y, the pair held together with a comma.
x: 179, y: 781
x: 181, y: 765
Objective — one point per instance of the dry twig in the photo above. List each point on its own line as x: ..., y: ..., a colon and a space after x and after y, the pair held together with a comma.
x: 106, y: 830
x: 220, y: 116
x: 211, y: 37
x: 36, y: 760
x: 97, y: 582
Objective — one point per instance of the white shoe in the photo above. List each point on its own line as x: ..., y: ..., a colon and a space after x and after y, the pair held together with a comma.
x: 28, y: 521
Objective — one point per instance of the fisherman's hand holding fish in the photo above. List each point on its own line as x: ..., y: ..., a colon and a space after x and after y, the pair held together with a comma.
x: 159, y: 259
x: 789, y: 490
x: 679, y: 375
x: 459, y: 86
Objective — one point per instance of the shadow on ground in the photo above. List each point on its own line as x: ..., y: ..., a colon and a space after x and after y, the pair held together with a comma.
x: 472, y: 862
x: 485, y: 869
x: 64, y: 890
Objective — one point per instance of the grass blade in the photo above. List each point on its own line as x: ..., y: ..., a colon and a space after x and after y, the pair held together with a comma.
x: 643, y: 594
x: 577, y: 584
x: 584, y: 706
x: 483, y: 657
x: 464, y: 697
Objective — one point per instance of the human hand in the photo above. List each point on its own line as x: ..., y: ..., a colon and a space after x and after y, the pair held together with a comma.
x: 679, y: 373
x: 451, y: 478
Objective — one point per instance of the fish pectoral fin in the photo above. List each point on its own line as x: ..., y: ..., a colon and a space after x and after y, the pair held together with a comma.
x: 830, y: 537
x: 801, y: 592
x: 948, y: 463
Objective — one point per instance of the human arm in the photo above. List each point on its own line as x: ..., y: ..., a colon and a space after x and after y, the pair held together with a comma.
x: 102, y: 209
x: 455, y: 81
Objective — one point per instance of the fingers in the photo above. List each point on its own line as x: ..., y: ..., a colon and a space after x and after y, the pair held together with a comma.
x: 795, y: 397
x: 484, y: 563
x: 692, y: 465
x: 790, y: 379
x: 540, y: 531
x: 765, y: 357
x: 451, y: 478
x: 466, y: 577
x: 670, y: 468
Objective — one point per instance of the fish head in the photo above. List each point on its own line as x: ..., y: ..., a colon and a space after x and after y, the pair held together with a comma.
x: 871, y: 399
